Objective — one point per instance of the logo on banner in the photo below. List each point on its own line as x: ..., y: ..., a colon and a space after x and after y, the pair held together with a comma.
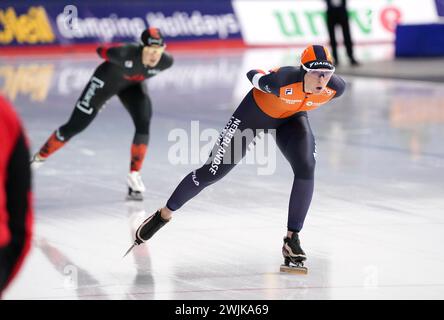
x: 195, y: 24
x: 31, y: 80
x: 31, y: 27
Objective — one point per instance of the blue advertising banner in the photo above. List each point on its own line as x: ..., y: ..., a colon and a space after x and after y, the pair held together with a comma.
x: 50, y: 22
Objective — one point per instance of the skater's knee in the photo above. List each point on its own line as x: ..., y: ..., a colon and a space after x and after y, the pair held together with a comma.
x: 70, y: 129
x: 65, y: 133
x: 142, y: 126
x: 304, y: 168
x: 142, y: 119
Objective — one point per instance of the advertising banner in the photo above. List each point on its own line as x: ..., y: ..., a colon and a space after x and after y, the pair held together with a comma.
x: 297, y: 22
x: 24, y: 23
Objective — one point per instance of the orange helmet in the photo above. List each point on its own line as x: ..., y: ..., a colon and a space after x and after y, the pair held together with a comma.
x: 317, y: 57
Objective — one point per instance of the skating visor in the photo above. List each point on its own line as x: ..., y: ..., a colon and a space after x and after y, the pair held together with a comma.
x: 320, y: 72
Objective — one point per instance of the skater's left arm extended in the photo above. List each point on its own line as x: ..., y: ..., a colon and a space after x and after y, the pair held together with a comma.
x: 166, y: 61
x: 266, y: 82
x: 337, y: 84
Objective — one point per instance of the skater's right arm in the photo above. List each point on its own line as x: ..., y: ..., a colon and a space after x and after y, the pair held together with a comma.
x: 272, y: 81
x: 337, y: 84
x: 116, y: 55
x: 266, y: 82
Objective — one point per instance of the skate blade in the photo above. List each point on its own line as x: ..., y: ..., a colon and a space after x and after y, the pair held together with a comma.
x: 36, y: 164
x: 294, y: 269
x: 134, y: 197
x: 129, y: 250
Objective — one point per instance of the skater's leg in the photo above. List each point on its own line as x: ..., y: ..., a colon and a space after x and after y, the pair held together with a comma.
x: 54, y: 143
x: 296, y: 141
x: 77, y: 123
x: 138, y: 104
x: 230, y: 148
x: 87, y: 106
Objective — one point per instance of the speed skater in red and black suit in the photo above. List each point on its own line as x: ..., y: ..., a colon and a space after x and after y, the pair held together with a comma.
x: 122, y: 74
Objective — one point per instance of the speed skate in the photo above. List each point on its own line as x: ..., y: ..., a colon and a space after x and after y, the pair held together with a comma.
x: 296, y: 267
x: 294, y: 256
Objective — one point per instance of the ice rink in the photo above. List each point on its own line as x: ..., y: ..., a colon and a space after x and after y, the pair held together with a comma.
x: 375, y: 228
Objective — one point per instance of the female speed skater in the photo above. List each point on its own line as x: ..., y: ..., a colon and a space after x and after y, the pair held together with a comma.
x: 279, y: 100
x: 122, y: 74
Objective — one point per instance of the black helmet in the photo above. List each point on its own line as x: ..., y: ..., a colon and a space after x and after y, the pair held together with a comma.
x: 152, y: 36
